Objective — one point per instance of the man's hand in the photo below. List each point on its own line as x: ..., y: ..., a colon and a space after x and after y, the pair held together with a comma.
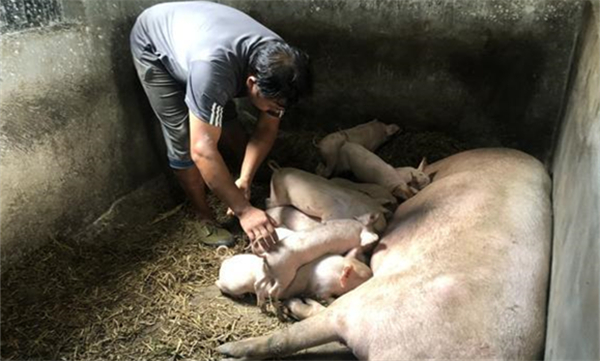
x: 260, y: 228
x: 244, y: 186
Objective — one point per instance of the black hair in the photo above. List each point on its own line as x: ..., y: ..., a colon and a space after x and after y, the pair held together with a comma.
x: 281, y: 71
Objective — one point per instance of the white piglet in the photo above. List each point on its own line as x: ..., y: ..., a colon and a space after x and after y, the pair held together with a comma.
x: 292, y: 218
x: 321, y: 198
x: 328, y: 277
x: 288, y: 255
x: 324, y: 278
x: 239, y: 274
x: 370, y: 135
x: 368, y: 167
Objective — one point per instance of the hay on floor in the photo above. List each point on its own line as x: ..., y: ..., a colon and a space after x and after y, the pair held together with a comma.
x: 146, y: 291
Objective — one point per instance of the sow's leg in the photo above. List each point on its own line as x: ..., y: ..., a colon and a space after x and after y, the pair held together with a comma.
x: 314, y: 331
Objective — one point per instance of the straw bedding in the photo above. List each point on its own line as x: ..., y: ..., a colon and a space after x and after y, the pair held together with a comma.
x: 146, y: 291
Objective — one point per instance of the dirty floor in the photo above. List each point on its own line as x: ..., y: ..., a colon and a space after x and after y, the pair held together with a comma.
x: 146, y: 290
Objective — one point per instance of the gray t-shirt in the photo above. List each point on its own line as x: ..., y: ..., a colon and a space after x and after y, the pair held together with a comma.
x: 205, y: 45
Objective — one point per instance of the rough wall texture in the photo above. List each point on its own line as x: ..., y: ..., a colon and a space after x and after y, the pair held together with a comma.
x: 491, y: 71
x: 73, y: 137
x: 574, y: 309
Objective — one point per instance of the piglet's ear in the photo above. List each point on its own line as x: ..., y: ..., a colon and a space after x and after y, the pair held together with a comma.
x: 346, y: 272
x: 422, y: 165
x: 391, y: 129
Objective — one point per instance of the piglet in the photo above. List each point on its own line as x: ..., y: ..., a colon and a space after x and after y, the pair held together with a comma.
x: 375, y: 191
x: 370, y: 135
x: 328, y: 277
x: 292, y: 218
x: 288, y: 255
x: 239, y: 274
x: 323, y: 278
x: 320, y: 198
x: 416, y: 178
x: 368, y: 167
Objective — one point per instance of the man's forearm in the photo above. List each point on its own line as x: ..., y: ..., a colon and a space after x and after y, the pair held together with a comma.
x: 258, y: 147
x: 219, y: 180
x: 256, y: 152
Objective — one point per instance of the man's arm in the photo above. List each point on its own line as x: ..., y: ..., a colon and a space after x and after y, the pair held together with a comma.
x: 204, y: 139
x: 258, y: 147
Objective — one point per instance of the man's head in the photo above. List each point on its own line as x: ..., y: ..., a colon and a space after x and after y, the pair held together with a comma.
x: 279, y: 76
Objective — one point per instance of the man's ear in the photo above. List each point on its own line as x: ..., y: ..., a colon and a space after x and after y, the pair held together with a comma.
x: 250, y: 81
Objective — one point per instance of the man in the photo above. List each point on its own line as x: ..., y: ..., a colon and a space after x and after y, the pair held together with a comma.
x: 192, y: 59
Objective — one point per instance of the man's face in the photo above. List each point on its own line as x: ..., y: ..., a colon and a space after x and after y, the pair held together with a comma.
x: 273, y: 107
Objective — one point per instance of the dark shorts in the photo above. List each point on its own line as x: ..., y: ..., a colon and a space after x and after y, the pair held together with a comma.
x: 167, y: 98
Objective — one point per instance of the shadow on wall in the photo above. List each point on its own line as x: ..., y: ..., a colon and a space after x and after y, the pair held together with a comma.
x: 480, y: 93
x: 493, y: 73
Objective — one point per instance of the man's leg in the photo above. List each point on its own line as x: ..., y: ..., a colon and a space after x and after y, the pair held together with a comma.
x: 192, y: 183
x: 210, y: 232
x: 166, y: 97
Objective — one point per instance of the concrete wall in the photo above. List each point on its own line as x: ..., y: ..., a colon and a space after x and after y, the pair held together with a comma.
x: 73, y: 137
x: 574, y: 308
x: 492, y: 72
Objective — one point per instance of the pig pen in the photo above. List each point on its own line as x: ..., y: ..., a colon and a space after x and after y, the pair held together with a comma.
x: 127, y: 289
x: 100, y: 255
